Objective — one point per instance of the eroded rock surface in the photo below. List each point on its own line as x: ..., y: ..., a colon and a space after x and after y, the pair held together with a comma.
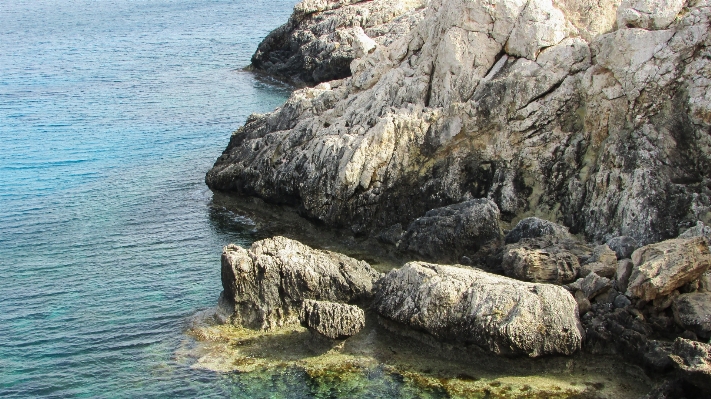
x: 267, y: 283
x: 661, y: 268
x: 693, y: 359
x: 547, y: 108
x: 448, y: 233
x: 533, y: 227
x: 544, y: 259
x: 322, y: 37
x: 469, y: 306
x: 332, y: 320
x: 692, y: 311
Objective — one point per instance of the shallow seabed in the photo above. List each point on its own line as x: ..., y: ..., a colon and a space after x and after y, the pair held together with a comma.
x: 111, y: 112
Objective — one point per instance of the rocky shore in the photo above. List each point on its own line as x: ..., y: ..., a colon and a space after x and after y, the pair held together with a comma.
x: 545, y: 164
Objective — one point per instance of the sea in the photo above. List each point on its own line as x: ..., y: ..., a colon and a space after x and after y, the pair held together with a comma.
x: 111, y: 113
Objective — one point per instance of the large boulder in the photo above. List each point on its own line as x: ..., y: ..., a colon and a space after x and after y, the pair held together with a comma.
x: 447, y: 233
x: 267, y: 283
x: 322, y: 37
x: 470, y: 306
x: 661, y: 268
x: 533, y: 227
x: 544, y: 107
x: 332, y: 320
x: 692, y: 311
x: 544, y: 259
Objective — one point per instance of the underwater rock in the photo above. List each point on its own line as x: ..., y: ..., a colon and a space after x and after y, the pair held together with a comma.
x: 448, y: 233
x: 661, y: 268
x: 332, y: 320
x: 267, y: 283
x: 470, y: 306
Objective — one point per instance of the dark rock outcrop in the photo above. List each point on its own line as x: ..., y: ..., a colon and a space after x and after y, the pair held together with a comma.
x: 267, y: 283
x: 534, y: 227
x: 448, y: 233
x: 623, y: 246
x: 332, y: 320
x: 692, y: 311
x: 693, y: 359
x: 469, y: 306
x: 322, y: 37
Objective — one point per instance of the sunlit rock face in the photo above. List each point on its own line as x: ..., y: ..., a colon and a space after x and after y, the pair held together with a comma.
x: 547, y: 108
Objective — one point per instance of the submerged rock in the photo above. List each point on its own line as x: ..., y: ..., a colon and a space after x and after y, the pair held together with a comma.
x: 469, y: 306
x: 544, y: 259
x: 447, y: 233
x: 332, y: 320
x: 267, y: 283
x: 659, y: 269
x: 322, y: 37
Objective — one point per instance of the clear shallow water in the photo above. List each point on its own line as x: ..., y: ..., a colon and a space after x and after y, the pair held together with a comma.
x: 111, y: 112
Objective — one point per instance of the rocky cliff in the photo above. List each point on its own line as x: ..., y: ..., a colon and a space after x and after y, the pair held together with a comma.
x: 594, y: 114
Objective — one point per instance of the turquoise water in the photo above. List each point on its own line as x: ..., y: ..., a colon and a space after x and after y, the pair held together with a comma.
x: 111, y: 112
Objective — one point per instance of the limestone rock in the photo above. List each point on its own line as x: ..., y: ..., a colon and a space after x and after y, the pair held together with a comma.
x: 623, y: 246
x: 603, y: 262
x: 469, y: 306
x: 543, y: 259
x: 322, y: 37
x: 692, y: 311
x: 267, y: 283
x: 603, y: 130
x: 693, y: 359
x: 648, y: 14
x: 661, y: 268
x: 447, y: 233
x: 333, y: 320
x: 533, y: 227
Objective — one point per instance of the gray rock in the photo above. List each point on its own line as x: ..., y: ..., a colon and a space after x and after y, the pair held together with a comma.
x: 602, y: 127
x: 544, y: 259
x: 623, y: 246
x: 659, y: 269
x: 594, y: 285
x: 267, y: 283
x: 599, y: 268
x: 392, y: 235
x: 705, y: 282
x: 333, y: 320
x: 533, y: 227
x: 322, y: 37
x: 692, y: 311
x: 469, y: 306
x: 621, y: 301
x: 700, y: 230
x: 447, y: 233
x: 693, y: 360
x: 624, y: 271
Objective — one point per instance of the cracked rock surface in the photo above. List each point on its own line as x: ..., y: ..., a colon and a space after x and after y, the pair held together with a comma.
x: 267, y: 283
x: 544, y: 107
x: 332, y: 320
x: 470, y: 306
x: 322, y: 37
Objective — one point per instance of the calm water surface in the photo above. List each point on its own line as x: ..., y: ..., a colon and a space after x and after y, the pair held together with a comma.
x: 111, y: 112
